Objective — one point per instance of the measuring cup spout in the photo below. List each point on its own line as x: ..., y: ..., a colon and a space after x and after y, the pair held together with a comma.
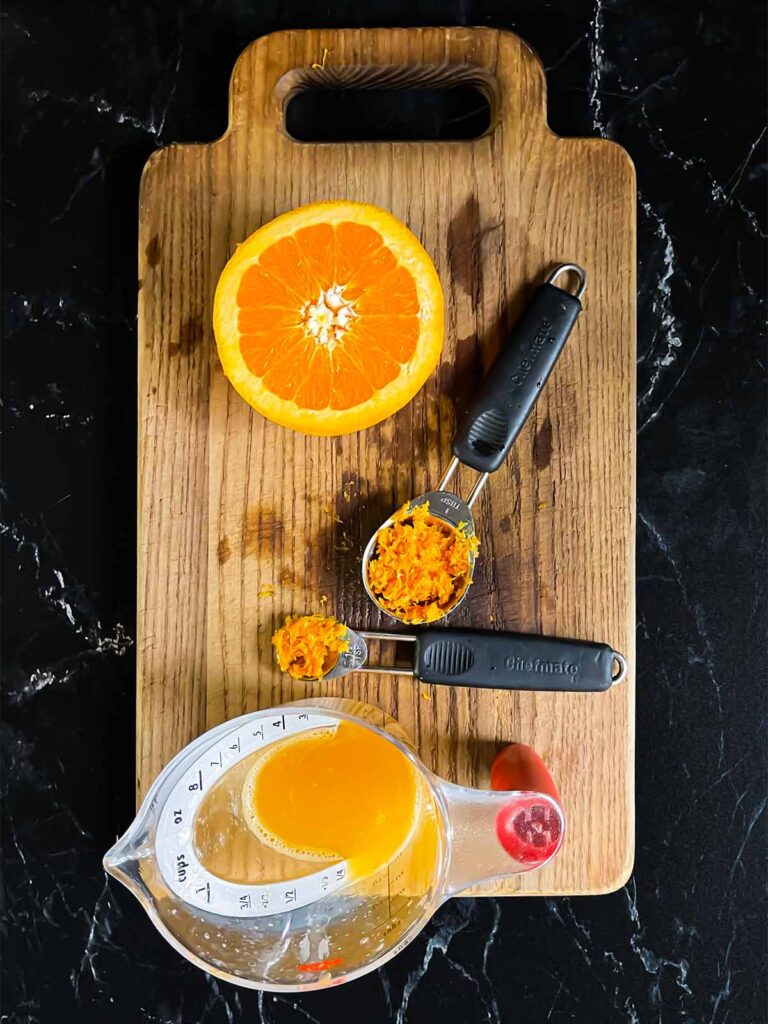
x: 493, y: 835
x: 129, y: 861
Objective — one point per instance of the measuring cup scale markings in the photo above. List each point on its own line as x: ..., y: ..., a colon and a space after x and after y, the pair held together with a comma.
x: 176, y: 853
x: 315, y: 928
x: 193, y: 875
x: 496, y: 416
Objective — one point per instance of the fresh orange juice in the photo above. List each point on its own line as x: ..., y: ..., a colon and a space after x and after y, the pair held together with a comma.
x: 344, y: 793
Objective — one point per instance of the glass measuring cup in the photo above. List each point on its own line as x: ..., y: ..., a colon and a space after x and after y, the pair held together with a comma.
x: 245, y: 911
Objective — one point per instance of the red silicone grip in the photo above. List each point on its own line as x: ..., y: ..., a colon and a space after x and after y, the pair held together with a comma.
x: 518, y: 766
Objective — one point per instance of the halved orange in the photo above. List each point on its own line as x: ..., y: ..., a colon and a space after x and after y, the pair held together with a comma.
x: 329, y: 318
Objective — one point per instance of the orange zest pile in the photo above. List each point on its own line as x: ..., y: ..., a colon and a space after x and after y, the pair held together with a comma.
x: 308, y: 646
x: 329, y: 318
x: 420, y: 565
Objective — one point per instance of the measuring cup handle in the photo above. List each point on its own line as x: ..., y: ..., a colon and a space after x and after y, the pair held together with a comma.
x: 517, y: 376
x: 514, y: 661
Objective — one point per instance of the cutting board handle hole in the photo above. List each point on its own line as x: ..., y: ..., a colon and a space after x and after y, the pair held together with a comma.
x: 386, y: 105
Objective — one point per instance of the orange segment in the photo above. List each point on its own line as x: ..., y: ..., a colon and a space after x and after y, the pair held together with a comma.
x: 287, y: 367
x: 259, y: 289
x: 394, y: 335
x: 394, y: 291
x: 318, y: 248
x: 268, y: 319
x: 329, y: 318
x: 355, y: 243
x: 316, y: 386
x: 284, y: 261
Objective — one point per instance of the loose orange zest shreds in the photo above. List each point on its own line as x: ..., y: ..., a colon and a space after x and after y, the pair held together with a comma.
x: 421, y: 565
x: 308, y: 646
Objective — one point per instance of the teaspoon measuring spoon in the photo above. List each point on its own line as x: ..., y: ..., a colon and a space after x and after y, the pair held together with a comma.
x: 490, y: 660
x: 498, y: 413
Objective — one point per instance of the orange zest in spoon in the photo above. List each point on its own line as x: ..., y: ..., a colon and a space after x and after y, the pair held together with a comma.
x: 421, y: 565
x: 308, y: 646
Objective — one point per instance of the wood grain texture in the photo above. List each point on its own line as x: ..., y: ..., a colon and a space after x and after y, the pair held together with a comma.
x: 241, y: 522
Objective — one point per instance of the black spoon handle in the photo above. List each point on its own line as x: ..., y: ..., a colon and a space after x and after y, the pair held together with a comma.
x: 517, y: 375
x: 514, y: 661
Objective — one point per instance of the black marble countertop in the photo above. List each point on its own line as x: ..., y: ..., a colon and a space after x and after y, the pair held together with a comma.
x: 90, y: 90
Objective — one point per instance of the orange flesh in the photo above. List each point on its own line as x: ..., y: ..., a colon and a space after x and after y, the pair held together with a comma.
x: 420, y: 566
x: 344, y: 793
x: 329, y: 318
x: 308, y: 646
x: 361, y: 350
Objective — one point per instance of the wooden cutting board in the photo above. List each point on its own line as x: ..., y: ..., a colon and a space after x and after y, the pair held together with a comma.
x: 241, y: 522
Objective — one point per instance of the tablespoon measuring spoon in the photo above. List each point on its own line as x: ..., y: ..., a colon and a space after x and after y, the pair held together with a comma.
x: 497, y: 414
x: 490, y: 660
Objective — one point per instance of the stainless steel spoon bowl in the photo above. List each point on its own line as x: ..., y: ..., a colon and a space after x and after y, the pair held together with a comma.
x: 443, y: 505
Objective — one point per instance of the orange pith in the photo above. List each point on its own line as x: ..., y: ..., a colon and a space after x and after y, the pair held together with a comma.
x: 329, y: 318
